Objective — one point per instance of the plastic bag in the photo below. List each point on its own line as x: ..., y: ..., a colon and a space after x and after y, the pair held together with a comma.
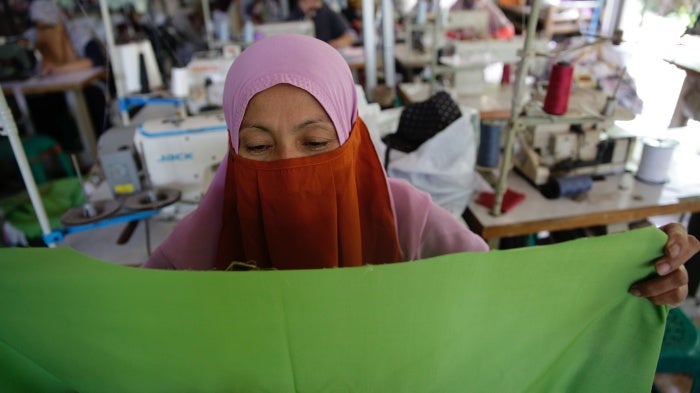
x: 444, y: 165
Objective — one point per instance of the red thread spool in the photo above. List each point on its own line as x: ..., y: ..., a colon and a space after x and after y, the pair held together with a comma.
x: 557, y: 99
x: 505, y: 78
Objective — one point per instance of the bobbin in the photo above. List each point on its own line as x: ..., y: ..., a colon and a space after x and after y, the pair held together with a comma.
x: 90, y: 212
x: 152, y: 199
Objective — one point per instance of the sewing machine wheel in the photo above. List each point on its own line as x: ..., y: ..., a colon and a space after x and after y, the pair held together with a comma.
x: 102, y: 209
x: 142, y: 201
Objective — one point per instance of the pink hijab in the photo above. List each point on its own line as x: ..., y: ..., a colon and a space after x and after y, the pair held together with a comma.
x: 300, y: 61
x: 424, y: 229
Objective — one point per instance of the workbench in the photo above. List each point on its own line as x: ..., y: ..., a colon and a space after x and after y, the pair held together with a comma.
x: 606, y: 203
x: 71, y: 84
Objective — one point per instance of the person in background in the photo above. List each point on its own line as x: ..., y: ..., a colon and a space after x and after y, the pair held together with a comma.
x: 52, y: 41
x: 188, y: 24
x: 87, y: 36
x: 353, y: 13
x: 303, y: 187
x: 329, y: 25
x: 228, y: 13
x: 263, y: 11
x: 58, y: 55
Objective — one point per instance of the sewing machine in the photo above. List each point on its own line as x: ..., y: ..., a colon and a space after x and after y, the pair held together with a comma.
x: 557, y: 150
x: 207, y: 70
x: 206, y: 76
x: 182, y: 154
x: 577, y: 143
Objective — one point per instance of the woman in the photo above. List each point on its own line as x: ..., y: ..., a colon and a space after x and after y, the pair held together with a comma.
x: 57, y: 52
x: 303, y: 187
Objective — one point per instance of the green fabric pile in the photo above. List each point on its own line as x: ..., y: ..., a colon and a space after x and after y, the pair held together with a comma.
x: 541, y: 319
x: 58, y: 196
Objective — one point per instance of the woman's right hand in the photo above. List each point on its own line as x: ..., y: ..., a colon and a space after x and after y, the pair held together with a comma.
x: 47, y: 68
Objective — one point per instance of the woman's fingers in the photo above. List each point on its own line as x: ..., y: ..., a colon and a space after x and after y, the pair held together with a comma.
x: 670, y: 289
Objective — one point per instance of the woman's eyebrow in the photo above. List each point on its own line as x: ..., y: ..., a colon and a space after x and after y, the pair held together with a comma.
x: 256, y: 126
x: 311, y: 122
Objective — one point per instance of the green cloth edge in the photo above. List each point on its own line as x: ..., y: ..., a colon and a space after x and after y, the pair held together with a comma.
x: 549, y: 318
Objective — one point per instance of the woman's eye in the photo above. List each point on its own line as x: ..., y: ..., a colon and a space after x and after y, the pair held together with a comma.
x: 257, y: 149
x: 316, y: 145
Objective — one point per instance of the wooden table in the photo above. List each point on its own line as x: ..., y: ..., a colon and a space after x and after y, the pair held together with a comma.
x: 606, y: 203
x: 71, y: 84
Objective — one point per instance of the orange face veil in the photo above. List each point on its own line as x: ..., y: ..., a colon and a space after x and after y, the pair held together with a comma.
x: 327, y: 210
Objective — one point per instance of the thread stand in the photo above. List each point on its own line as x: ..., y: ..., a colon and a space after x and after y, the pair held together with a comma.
x: 89, y: 212
x: 524, y: 115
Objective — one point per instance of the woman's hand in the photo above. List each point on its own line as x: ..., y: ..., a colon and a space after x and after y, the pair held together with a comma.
x: 671, y: 285
x: 47, y: 68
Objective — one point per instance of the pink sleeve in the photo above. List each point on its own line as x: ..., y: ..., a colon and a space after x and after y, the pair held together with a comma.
x: 158, y: 260
x: 192, y: 245
x: 425, y: 229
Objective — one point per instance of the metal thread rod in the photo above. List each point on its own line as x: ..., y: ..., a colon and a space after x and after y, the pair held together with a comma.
x: 437, y: 31
x: 514, y: 124
x: 208, y: 28
x: 369, y: 40
x: 88, y: 207
x: 114, y: 60
x: 388, y: 43
x: 148, y: 186
x: 9, y: 129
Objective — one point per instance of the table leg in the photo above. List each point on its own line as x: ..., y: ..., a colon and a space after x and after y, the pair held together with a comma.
x: 494, y: 243
x: 9, y: 129
x: 78, y: 107
x: 24, y: 109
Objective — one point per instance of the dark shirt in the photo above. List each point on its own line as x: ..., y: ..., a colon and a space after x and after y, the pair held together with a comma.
x: 94, y: 52
x: 328, y: 24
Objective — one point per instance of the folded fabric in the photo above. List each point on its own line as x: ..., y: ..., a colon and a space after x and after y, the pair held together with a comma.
x: 510, y: 199
x: 57, y: 196
x: 541, y: 319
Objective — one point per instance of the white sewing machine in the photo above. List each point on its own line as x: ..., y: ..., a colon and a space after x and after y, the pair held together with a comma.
x: 207, y: 74
x: 555, y: 150
x: 552, y: 146
x: 183, y: 153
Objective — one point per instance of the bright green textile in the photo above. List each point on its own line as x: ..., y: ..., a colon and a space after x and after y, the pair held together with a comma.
x: 543, y: 319
x: 58, y: 196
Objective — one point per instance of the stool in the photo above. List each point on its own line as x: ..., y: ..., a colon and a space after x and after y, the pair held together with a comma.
x: 680, y: 350
x: 36, y: 147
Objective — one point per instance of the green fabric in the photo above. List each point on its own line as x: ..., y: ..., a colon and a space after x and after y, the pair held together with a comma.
x: 542, y: 319
x: 58, y: 196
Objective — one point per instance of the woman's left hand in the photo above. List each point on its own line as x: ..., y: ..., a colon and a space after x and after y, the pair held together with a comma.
x: 671, y: 285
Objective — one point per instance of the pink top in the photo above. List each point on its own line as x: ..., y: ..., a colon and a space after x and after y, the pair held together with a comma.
x: 424, y: 228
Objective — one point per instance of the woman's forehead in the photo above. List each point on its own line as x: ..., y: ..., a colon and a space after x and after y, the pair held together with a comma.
x: 285, y: 91
x: 294, y: 103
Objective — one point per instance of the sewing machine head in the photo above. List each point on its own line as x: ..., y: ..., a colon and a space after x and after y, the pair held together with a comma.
x: 555, y: 150
x: 207, y: 74
x: 183, y: 154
